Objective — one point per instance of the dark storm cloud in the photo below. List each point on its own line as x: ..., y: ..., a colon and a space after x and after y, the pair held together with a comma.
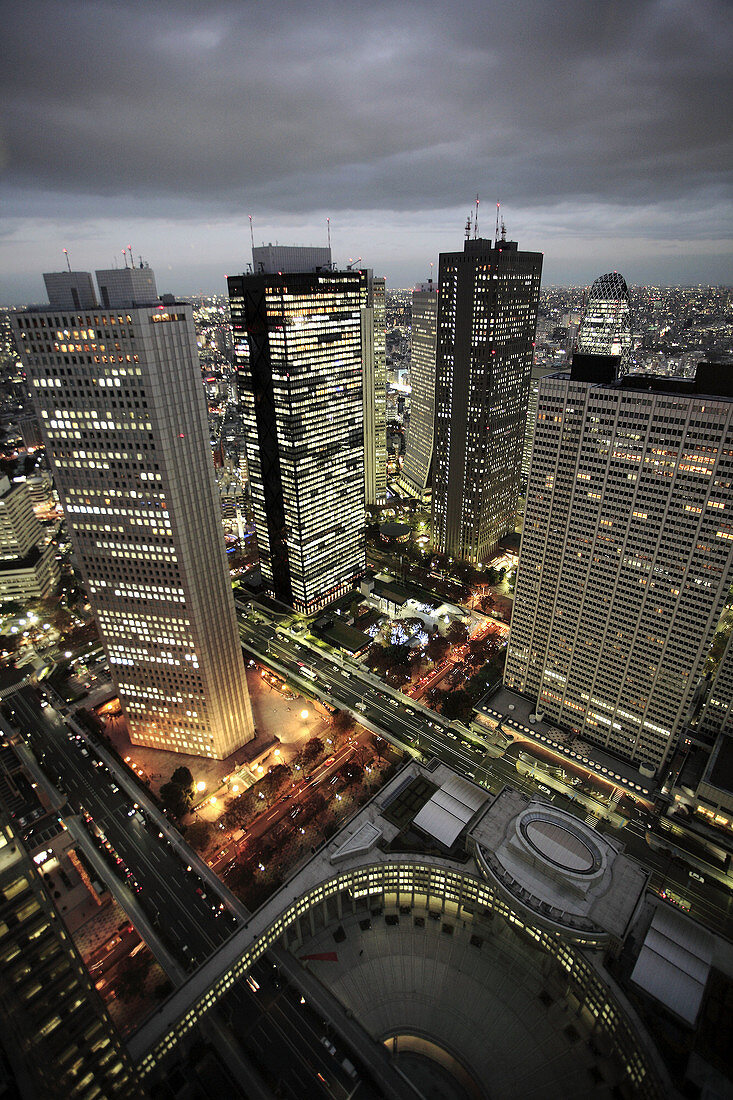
x: 285, y: 109
x: 305, y: 105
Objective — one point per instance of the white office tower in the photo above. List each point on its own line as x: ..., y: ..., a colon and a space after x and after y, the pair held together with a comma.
x: 605, y: 327
x: 285, y: 259
x: 119, y: 398
x: 374, y: 381
x: 627, y: 553
x: 534, y: 384
x: 298, y: 355
x: 416, y: 469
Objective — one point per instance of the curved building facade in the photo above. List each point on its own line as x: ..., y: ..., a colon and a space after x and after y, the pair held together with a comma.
x: 606, y: 325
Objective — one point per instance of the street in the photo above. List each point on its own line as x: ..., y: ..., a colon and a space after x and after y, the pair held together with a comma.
x: 182, y: 910
x: 409, y: 725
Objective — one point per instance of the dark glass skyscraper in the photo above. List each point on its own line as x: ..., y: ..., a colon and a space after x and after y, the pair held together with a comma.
x: 487, y: 313
x: 298, y: 346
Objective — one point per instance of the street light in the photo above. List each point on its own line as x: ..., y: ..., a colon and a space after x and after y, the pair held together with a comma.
x: 304, y: 714
x: 200, y: 786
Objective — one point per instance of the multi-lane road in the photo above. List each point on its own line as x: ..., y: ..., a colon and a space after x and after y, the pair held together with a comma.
x: 344, y: 683
x: 184, y: 911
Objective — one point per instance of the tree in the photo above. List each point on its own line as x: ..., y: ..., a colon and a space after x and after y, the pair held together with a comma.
x: 131, y: 975
x: 457, y: 633
x: 380, y: 746
x: 312, y: 749
x: 361, y: 756
x: 437, y: 648
x: 342, y: 722
x: 199, y: 835
x: 174, y: 799
x: 487, y: 603
x: 273, y: 782
x: 236, y: 815
x: 479, y: 648
x: 352, y: 773
x: 458, y: 704
x: 240, y: 877
x: 182, y: 778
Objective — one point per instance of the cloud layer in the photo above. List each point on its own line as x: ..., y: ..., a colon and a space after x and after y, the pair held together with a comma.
x: 601, y: 128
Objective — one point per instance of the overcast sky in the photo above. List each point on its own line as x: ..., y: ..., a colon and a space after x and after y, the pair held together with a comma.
x: 603, y: 127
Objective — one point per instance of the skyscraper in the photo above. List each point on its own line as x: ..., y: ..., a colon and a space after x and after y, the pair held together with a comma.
x: 119, y: 398
x: 605, y: 327
x: 534, y: 382
x: 300, y: 378
x: 57, y: 1034
x: 627, y: 553
x: 487, y: 313
x: 415, y: 478
x: 27, y: 571
x: 374, y: 375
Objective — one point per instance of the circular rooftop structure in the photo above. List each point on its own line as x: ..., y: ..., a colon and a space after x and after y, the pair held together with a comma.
x: 561, y: 843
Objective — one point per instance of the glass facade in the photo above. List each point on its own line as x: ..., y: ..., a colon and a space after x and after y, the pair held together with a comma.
x: 605, y: 328
x: 119, y: 398
x: 416, y: 470
x: 298, y: 346
x: 487, y: 315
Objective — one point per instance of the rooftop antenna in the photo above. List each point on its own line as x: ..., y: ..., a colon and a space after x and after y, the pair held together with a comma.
x: 132, y: 261
x: 496, y: 234
x: 251, y: 233
x: 467, y: 230
x: 431, y: 271
x: 328, y: 225
x: 503, y: 231
x: 124, y: 253
x: 475, y: 221
x: 68, y: 261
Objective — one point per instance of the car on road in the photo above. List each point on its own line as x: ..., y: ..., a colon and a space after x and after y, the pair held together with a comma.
x: 697, y: 877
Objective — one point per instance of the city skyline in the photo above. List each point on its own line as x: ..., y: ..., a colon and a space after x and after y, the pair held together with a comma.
x: 631, y: 173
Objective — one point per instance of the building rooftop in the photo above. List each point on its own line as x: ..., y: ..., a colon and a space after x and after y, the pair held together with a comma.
x: 711, y: 379
x: 449, y: 810
x: 674, y: 963
x: 554, y: 864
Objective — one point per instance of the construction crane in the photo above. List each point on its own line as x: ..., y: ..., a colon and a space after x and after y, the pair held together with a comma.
x: 352, y: 263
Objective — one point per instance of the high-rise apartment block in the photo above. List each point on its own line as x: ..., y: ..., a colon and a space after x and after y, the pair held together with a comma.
x: 415, y: 478
x: 487, y: 313
x: 605, y: 327
x: 374, y: 380
x: 627, y: 553
x: 118, y: 393
x: 298, y: 346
